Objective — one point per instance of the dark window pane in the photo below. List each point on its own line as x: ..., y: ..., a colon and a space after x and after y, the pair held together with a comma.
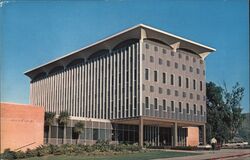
x: 155, y: 76
x: 60, y: 131
x: 172, y: 105
x: 95, y: 134
x: 155, y: 103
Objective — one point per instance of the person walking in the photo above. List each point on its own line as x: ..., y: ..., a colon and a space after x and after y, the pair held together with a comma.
x: 213, y: 143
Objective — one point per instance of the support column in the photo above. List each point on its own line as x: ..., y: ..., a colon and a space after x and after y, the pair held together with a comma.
x: 141, y: 132
x: 175, y: 134
x: 204, y: 134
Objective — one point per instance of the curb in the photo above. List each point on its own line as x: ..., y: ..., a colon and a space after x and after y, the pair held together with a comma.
x: 231, y: 156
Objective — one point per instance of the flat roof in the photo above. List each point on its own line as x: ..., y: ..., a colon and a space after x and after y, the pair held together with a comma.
x: 143, y: 26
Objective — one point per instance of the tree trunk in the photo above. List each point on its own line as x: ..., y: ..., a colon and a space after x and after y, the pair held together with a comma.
x: 49, y: 135
x: 78, y: 138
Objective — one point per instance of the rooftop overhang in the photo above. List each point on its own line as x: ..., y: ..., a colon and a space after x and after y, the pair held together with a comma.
x: 139, y: 32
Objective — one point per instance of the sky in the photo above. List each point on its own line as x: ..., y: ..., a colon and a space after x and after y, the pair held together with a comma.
x: 35, y: 32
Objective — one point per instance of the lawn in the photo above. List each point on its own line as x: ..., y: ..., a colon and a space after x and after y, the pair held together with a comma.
x: 132, y: 156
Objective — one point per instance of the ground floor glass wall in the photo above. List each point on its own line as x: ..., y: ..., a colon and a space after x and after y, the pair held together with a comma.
x: 153, y: 135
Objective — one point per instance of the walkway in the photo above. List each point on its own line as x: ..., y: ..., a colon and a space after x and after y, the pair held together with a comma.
x: 224, y: 154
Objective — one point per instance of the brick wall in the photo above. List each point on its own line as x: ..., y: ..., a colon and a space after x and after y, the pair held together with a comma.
x: 21, y: 126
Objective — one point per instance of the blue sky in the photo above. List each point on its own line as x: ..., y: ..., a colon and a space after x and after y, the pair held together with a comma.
x: 33, y: 33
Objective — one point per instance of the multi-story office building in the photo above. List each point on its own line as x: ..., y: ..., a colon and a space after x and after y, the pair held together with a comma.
x: 140, y: 85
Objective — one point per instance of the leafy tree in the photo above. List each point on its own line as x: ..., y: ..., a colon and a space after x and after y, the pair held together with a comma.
x: 63, y: 120
x: 49, y: 119
x: 79, y: 129
x: 232, y: 100
x: 223, y: 112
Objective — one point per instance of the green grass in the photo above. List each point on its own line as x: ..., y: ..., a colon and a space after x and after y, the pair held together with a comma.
x: 132, y: 156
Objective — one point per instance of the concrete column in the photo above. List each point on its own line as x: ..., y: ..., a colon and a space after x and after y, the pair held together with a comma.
x: 204, y: 134
x: 175, y: 134
x: 141, y: 132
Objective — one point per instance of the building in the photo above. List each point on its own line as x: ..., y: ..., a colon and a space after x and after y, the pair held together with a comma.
x: 17, y: 122
x: 141, y: 85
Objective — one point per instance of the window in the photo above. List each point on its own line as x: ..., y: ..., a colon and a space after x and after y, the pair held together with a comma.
x: 176, y: 93
x: 143, y: 56
x: 195, y: 112
x: 155, y: 103
x: 168, y: 92
x: 191, y: 95
x: 180, y: 107
x: 155, y: 76
x: 172, y: 53
x: 151, y: 59
x: 143, y: 87
x: 187, y: 83
x: 191, y: 69
x: 147, y: 46
x: 187, y: 58
x: 172, y: 79
x: 151, y: 88
x: 172, y: 106
x: 176, y: 65
x: 204, y: 72
x: 197, y: 70
x: 95, y: 134
x: 179, y: 79
x: 184, y: 94
x: 146, y: 74
x: 179, y: 55
x: 168, y: 63
x: 160, y: 90
x: 194, y: 84
x: 156, y: 48
x: 201, y: 110
x: 194, y: 60
x: 164, y: 78
x: 183, y: 67
x: 164, y: 105
x: 164, y: 51
x: 160, y: 61
x: 187, y: 108
x: 146, y: 102
x: 200, y: 85
x: 198, y: 97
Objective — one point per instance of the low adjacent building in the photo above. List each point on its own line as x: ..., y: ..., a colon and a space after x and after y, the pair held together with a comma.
x: 21, y: 126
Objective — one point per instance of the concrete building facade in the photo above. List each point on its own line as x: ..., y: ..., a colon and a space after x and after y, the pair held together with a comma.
x: 141, y: 85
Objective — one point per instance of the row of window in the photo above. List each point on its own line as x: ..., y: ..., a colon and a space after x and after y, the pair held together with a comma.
x: 176, y: 93
x: 164, y: 51
x: 176, y: 65
x: 172, y: 103
x: 172, y: 79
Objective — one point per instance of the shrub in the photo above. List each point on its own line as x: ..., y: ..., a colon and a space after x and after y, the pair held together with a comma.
x: 43, y: 150
x: 89, y: 148
x: 31, y: 153
x: 133, y: 148
x: 102, y: 145
x: 53, y: 148
x: 20, y: 154
x: 8, y: 154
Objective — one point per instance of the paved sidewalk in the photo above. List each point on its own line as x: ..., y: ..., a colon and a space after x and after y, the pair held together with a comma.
x: 214, y: 155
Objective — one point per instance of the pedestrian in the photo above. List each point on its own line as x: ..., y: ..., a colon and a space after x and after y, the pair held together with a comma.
x: 213, y: 143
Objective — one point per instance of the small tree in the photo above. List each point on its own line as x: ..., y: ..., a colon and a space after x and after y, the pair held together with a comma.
x: 79, y: 129
x: 63, y: 120
x: 49, y: 119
